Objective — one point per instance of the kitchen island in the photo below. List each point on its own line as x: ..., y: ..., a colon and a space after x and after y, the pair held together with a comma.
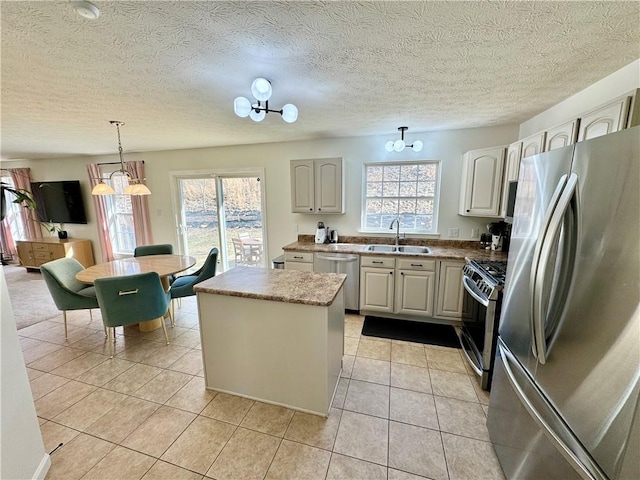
x: 273, y: 335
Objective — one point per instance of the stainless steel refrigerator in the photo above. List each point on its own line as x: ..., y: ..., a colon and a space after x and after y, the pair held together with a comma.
x: 565, y: 396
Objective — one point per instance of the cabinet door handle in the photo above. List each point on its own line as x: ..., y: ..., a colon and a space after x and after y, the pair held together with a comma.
x: 391, y: 272
x: 319, y: 209
x: 311, y: 210
x: 376, y: 262
x: 401, y: 273
x: 417, y: 265
x: 298, y: 257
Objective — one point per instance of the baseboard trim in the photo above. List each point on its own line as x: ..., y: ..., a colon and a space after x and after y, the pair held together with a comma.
x: 43, y: 468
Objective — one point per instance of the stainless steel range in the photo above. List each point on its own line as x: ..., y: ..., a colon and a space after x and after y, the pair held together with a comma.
x: 483, y: 282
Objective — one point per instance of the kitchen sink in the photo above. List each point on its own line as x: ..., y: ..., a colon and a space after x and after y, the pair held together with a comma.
x: 412, y: 249
x: 400, y: 249
x: 381, y: 248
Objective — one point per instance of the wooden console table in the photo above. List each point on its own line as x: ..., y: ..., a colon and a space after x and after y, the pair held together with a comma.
x: 33, y: 253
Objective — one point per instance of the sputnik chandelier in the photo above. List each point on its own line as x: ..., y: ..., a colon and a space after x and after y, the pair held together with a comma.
x: 261, y: 91
x: 135, y: 187
x: 399, y: 145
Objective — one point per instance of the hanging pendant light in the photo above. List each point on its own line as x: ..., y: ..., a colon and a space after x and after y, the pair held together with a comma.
x: 399, y: 145
x: 135, y: 185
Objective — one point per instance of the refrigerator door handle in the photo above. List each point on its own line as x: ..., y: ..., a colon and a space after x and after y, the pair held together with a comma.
x: 539, y: 315
x: 559, y: 434
x: 535, y: 263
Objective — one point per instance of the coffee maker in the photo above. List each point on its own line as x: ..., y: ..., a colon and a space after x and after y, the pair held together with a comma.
x: 321, y: 233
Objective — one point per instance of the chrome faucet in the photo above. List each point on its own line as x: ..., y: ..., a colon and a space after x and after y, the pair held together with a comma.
x: 397, y: 222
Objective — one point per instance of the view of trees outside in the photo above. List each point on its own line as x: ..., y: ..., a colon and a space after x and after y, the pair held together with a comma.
x: 242, y: 210
x: 401, y: 191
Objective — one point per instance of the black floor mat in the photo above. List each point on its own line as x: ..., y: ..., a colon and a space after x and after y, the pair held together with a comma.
x: 418, y: 332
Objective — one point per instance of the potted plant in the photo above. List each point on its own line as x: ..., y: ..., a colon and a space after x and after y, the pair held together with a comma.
x: 21, y: 197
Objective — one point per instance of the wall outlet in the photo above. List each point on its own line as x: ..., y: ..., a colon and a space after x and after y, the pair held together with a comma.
x: 475, y: 233
x: 454, y: 232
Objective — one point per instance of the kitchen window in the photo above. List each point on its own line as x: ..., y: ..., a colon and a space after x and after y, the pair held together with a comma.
x: 405, y: 190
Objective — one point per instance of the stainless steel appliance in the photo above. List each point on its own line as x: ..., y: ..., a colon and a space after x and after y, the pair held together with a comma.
x: 565, y: 395
x: 342, y: 263
x: 482, y: 281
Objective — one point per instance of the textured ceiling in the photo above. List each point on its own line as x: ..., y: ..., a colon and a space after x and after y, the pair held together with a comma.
x: 170, y: 70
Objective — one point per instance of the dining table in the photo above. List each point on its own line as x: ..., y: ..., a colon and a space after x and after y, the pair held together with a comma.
x: 163, y: 265
x: 255, y: 246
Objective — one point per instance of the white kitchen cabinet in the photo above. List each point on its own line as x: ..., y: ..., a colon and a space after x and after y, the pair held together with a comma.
x: 481, y: 189
x: 415, y: 287
x: 377, y: 284
x: 608, y: 118
x: 298, y: 261
x: 449, y: 301
x: 562, y: 135
x: 533, y: 144
x: 512, y: 168
x: 317, y: 186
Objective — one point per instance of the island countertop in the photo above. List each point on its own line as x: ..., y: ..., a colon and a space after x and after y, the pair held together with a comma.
x: 289, y: 286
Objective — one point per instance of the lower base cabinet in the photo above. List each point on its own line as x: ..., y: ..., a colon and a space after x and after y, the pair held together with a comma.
x: 412, y: 287
x: 298, y: 261
x: 450, y: 290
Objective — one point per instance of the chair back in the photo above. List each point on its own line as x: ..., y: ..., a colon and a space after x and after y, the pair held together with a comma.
x: 238, y: 249
x: 208, y: 270
x: 183, y: 286
x: 60, y: 275
x: 159, y: 249
x: 131, y: 298
x: 244, y: 235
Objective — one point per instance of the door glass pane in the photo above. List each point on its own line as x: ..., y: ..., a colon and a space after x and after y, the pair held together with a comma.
x: 199, y: 217
x: 242, y: 206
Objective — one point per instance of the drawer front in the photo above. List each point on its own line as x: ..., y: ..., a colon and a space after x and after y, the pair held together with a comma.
x: 378, y: 262
x: 416, y: 264
x: 40, y: 247
x: 42, y: 255
x: 304, y: 257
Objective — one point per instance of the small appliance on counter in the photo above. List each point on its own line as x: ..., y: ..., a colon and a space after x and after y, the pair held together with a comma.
x: 333, y: 237
x: 321, y: 233
x: 499, y: 236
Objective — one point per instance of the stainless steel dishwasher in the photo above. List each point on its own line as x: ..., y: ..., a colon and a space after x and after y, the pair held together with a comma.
x: 348, y: 263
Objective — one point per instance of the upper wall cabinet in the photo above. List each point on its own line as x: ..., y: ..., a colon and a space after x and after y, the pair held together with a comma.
x: 533, y: 144
x: 511, y: 170
x: 481, y: 188
x: 609, y: 118
x: 317, y: 186
x: 562, y: 135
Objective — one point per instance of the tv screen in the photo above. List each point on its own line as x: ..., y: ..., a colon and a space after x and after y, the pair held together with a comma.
x: 59, y: 202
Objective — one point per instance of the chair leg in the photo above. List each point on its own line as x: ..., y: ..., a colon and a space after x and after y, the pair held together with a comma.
x: 111, y: 341
x: 64, y: 316
x: 164, y: 329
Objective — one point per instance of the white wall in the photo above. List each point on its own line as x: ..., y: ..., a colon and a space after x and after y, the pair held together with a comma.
x: 615, y: 85
x: 447, y: 146
x: 22, y: 452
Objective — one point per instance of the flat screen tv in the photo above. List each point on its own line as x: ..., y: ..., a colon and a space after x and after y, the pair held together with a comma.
x: 59, y: 202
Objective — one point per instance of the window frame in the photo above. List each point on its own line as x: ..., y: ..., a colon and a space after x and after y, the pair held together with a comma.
x: 435, y: 197
x: 112, y: 214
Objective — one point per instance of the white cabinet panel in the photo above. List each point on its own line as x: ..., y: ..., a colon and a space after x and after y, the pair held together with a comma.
x: 533, y: 144
x: 481, y: 188
x: 562, y: 135
x: 512, y: 167
x: 450, y: 290
x: 376, y: 289
x: 317, y: 186
x: 414, y: 292
x: 609, y: 118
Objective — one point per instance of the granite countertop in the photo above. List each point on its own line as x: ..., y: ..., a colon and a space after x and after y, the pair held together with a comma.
x: 289, y: 286
x: 440, y: 249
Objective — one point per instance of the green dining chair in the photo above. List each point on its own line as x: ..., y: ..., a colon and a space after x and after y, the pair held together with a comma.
x: 183, y: 286
x: 159, y: 249
x: 131, y: 299
x: 67, y: 292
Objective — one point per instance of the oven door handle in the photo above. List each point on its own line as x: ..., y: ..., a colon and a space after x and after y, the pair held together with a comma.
x: 468, y: 286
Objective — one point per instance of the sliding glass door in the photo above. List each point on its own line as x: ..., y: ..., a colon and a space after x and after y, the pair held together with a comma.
x: 223, y: 209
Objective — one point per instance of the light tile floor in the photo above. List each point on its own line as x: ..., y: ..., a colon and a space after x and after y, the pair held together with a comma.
x: 402, y: 411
